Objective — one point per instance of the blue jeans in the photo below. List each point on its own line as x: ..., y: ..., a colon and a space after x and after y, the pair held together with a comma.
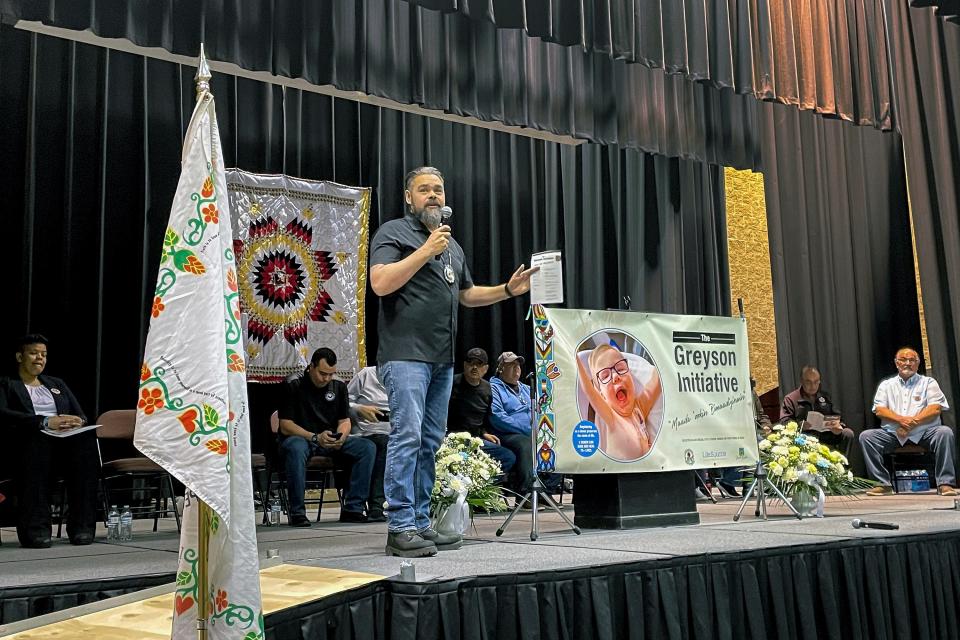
x: 501, y: 454
x: 358, y: 451
x: 418, y: 394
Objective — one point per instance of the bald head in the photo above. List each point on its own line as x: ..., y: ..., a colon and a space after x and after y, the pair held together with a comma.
x: 907, y: 362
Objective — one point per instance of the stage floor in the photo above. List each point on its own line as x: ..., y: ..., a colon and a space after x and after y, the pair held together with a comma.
x: 359, y: 548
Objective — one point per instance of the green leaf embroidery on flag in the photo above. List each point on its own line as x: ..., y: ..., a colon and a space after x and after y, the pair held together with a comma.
x: 170, y: 238
x: 210, y: 416
x: 186, y: 592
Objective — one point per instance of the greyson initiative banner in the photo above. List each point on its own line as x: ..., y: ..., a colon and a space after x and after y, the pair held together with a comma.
x: 621, y: 392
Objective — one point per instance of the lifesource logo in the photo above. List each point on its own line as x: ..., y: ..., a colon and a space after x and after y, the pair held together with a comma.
x: 688, y: 456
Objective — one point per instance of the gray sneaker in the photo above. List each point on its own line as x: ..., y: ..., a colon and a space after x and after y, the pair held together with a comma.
x: 443, y: 541
x: 409, y: 544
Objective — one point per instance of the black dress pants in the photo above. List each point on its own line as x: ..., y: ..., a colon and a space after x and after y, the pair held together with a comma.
x: 41, y: 459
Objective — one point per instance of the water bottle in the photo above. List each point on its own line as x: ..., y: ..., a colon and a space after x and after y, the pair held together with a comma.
x: 126, y: 524
x: 275, y: 515
x: 113, y: 523
x: 923, y: 481
x: 903, y: 481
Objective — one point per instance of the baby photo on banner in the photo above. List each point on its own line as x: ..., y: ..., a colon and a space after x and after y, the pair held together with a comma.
x: 301, y: 259
x: 622, y: 392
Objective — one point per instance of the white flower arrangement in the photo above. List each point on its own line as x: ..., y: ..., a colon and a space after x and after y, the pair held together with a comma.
x: 464, y: 469
x: 797, y: 462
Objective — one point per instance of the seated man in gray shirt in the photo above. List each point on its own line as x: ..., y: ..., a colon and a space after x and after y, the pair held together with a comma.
x: 370, y: 419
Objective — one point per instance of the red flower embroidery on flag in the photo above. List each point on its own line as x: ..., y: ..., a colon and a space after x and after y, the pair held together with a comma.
x: 193, y: 265
x: 150, y: 400
x: 188, y: 420
x: 144, y: 372
x: 207, y: 189
x: 221, y: 599
x: 158, y: 306
x: 232, y: 279
x: 217, y: 446
x: 210, y: 214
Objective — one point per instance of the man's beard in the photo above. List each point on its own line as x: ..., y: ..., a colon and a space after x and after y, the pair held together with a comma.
x: 430, y: 217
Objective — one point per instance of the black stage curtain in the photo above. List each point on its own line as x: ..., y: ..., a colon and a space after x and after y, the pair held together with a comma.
x: 948, y: 8
x: 91, y: 160
x: 451, y: 63
x: 927, y: 83
x: 830, y: 57
x: 840, y: 247
x: 20, y: 603
x: 901, y: 587
x: 878, y: 589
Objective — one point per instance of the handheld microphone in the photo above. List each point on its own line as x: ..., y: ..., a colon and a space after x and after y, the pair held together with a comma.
x: 862, y: 524
x: 445, y: 213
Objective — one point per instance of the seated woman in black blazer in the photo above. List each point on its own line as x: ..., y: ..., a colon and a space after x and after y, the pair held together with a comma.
x: 30, y: 404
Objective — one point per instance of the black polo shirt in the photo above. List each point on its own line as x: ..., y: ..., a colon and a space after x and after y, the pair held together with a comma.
x: 418, y: 321
x: 469, y: 408
x: 314, y: 409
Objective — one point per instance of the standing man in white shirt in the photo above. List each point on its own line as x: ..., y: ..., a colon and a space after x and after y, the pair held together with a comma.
x: 909, y: 406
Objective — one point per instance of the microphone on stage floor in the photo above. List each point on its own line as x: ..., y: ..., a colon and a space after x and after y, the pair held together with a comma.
x: 863, y: 524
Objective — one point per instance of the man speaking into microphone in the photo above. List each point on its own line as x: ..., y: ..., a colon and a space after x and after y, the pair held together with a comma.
x: 420, y: 273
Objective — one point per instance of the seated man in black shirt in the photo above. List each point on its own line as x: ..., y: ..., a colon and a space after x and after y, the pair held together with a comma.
x: 314, y: 420
x: 811, y: 397
x: 469, y: 408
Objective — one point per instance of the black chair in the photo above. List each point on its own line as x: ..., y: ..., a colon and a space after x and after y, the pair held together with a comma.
x: 61, y: 503
x: 320, y: 474
x: 137, y: 473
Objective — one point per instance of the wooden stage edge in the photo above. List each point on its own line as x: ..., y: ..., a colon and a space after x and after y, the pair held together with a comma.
x: 148, y: 614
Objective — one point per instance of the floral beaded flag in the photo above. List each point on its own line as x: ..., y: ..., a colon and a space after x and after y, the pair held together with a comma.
x: 192, y: 413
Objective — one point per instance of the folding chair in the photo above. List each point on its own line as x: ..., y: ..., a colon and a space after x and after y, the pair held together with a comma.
x: 319, y: 471
x: 143, y: 475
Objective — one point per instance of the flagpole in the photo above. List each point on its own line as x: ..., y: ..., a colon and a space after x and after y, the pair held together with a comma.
x: 203, y: 591
x: 202, y: 80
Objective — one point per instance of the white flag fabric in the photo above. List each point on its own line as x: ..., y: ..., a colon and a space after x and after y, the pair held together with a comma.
x: 192, y: 413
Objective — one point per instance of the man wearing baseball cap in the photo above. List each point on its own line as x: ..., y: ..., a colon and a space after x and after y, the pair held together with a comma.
x: 469, y: 408
x: 510, y: 418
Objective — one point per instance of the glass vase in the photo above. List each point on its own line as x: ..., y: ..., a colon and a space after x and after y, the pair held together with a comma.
x: 804, y: 503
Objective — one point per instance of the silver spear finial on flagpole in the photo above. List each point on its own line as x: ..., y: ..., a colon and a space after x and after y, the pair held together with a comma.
x: 203, y: 74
